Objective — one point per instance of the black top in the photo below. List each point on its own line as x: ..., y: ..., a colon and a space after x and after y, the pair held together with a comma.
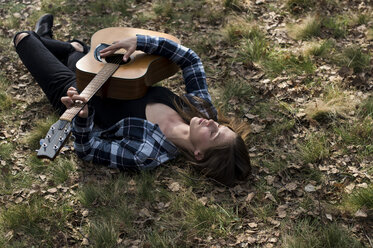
x: 110, y: 111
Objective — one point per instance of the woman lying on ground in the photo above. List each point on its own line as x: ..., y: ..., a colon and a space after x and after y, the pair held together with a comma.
x: 141, y: 133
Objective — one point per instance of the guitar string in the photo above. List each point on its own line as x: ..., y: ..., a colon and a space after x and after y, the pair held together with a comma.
x: 73, y: 112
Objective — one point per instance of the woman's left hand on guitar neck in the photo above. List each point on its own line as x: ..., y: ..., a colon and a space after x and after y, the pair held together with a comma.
x: 72, y: 98
x: 129, y: 44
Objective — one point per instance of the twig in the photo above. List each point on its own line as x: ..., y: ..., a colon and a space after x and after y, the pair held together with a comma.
x: 370, y: 241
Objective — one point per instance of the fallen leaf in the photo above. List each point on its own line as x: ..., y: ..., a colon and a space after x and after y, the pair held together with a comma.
x: 52, y: 190
x: 85, y: 242
x: 175, y: 186
x: 309, y: 188
x: 349, y: 188
x: 360, y: 213
x: 281, y: 210
x: 329, y: 217
x: 291, y: 186
x: 145, y: 213
x: 253, y: 225
x: 257, y: 128
x: 203, y: 200
x: 270, y: 196
x: 249, y: 197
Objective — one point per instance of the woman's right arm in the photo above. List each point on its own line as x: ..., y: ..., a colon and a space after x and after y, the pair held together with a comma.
x: 185, y: 58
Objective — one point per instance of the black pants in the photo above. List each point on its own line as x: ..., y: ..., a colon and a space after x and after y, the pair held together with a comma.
x: 51, y: 63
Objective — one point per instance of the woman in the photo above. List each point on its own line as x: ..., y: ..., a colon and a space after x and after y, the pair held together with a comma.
x: 142, y: 133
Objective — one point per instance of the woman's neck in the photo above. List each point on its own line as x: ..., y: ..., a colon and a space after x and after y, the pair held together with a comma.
x: 170, y: 123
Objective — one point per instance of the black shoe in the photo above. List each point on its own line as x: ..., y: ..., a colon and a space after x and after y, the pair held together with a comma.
x: 44, y: 26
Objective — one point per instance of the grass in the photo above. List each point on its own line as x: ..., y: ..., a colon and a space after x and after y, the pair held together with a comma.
x: 164, y: 8
x: 354, y: 57
x: 308, y: 28
x: 35, y: 222
x: 61, y: 169
x: 195, y: 218
x: 5, y: 100
x: 103, y: 234
x: 336, y: 26
x: 313, y: 234
x: 239, y: 91
x: 361, y: 198
x: 118, y: 210
x: 314, y: 148
x: 114, y: 205
x: 300, y: 6
x: 274, y: 61
x: 366, y: 107
x: 358, y: 133
x: 321, y: 49
x: 241, y: 28
x: 254, y: 49
x: 6, y: 150
x: 39, y: 131
x: 279, y: 63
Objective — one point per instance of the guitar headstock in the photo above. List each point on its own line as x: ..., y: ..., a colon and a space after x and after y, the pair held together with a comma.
x: 55, y: 139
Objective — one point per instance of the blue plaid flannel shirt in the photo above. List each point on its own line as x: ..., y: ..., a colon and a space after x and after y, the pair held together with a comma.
x: 135, y: 143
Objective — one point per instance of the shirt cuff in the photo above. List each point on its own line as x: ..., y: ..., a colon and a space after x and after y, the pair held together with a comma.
x: 141, y: 42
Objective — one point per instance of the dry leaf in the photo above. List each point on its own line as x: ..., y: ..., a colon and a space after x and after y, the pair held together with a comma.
x: 349, y: 188
x: 360, y: 213
x: 270, y: 196
x: 257, y: 128
x: 52, y: 190
x: 253, y: 225
x: 249, y: 197
x: 291, y: 186
x: 175, y: 186
x: 145, y: 213
x: 203, y: 200
x: 85, y: 242
x: 281, y: 210
x: 309, y: 188
x: 329, y: 217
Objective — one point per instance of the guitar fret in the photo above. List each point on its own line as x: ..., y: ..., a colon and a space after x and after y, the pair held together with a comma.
x: 102, y: 76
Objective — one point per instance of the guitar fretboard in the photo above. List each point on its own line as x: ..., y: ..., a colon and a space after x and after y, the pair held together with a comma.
x: 97, y: 82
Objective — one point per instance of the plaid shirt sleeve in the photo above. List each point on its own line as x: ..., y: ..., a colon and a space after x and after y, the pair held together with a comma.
x: 190, y: 64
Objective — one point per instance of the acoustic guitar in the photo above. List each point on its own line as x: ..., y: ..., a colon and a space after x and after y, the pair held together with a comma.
x: 110, y: 78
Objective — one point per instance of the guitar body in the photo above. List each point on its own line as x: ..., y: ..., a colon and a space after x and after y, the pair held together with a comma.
x: 130, y: 80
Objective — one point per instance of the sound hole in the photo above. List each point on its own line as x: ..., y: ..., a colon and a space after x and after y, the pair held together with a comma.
x: 117, y: 59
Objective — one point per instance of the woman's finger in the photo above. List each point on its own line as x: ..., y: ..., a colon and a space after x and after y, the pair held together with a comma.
x: 67, y: 101
x: 128, y: 54
x: 79, y: 98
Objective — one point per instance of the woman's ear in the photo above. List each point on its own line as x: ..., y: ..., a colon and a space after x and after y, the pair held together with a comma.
x: 198, y: 155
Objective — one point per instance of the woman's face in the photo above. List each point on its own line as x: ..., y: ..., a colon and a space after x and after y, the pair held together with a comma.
x: 206, y: 134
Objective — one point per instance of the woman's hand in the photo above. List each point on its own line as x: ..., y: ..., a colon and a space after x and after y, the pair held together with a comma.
x: 129, y: 44
x: 72, y: 99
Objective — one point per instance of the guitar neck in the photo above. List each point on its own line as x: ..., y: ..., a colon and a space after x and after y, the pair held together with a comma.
x: 97, y: 82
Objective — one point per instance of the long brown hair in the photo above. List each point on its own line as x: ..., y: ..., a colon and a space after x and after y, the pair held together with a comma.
x: 226, y: 164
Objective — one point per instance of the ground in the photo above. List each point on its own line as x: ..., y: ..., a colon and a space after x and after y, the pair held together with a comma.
x: 297, y: 73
